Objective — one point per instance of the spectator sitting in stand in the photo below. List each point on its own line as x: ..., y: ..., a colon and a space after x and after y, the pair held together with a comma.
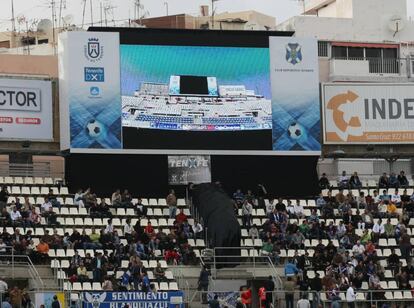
x: 238, y: 196
x: 393, y: 181
x: 116, y: 198
x: 197, y: 229
x: 343, y: 180
x: 354, y: 181
x: 16, y: 217
x: 402, y: 180
x: 324, y: 182
x: 126, y: 198
x: 181, y: 217
x: 79, y: 199
x: 383, y: 181
x: 171, y: 201
x: 141, y: 209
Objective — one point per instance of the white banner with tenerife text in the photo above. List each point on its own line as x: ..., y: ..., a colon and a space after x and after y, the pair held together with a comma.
x: 26, y: 109
x: 185, y: 169
x: 360, y: 113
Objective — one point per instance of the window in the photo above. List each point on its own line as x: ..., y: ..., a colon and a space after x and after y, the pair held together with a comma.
x: 323, y: 49
x: 339, y: 52
x: 355, y: 52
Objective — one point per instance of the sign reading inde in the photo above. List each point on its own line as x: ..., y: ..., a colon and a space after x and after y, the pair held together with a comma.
x: 20, y: 99
x: 94, y: 74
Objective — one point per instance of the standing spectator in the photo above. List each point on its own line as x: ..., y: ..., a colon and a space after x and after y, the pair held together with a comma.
x: 4, y: 195
x: 383, y: 181
x: 55, y: 303
x: 402, y: 180
x: 289, y: 288
x: 172, y: 203
x: 16, y: 296
x: 316, y: 287
x: 203, y: 281
x: 261, y: 194
x: 238, y: 196
x: 351, y: 296
x: 197, y: 229
x: 405, y: 246
x: 246, y: 297
x: 3, y: 287
x: 97, y: 265
x: 270, y: 287
x: 262, y: 297
x: 247, y: 211
x: 270, y: 207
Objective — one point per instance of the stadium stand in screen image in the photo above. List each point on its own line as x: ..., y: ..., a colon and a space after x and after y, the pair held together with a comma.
x: 212, y: 108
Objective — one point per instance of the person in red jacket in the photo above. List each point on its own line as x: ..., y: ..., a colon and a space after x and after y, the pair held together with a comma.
x: 262, y: 297
x: 246, y: 297
x: 181, y: 217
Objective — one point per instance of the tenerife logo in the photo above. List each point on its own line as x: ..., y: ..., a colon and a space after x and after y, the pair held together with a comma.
x: 95, y: 299
x: 93, y: 50
x: 345, y: 117
x: 293, y: 53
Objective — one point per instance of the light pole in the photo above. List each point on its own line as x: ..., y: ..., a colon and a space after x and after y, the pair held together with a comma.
x: 166, y: 6
x: 212, y: 13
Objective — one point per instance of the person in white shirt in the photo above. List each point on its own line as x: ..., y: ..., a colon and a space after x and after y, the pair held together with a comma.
x: 270, y: 207
x: 377, y: 230
x: 376, y: 197
x: 343, y: 181
x: 254, y: 233
x: 350, y: 296
x: 290, y: 209
x: 299, y: 210
x: 15, y: 216
x: 358, y: 249
x: 341, y: 229
x: 197, y: 229
x: 3, y: 286
x: 303, y: 303
x: 46, y: 206
x: 247, y: 210
x: 128, y: 229
x: 78, y: 200
x: 109, y: 228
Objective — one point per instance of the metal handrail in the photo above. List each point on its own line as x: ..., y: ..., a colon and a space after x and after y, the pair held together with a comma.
x: 32, y: 269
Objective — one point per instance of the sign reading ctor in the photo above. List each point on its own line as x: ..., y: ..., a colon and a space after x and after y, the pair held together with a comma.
x: 20, y: 99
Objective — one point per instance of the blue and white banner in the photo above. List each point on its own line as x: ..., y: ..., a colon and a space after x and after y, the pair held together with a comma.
x: 295, y: 95
x: 90, y: 97
x: 172, y: 299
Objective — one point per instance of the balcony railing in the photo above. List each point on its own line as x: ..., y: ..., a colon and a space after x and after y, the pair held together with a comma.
x: 381, y: 65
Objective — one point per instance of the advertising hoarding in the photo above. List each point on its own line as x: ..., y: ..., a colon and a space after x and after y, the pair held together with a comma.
x: 184, y: 169
x: 26, y: 109
x: 295, y: 95
x: 360, y: 113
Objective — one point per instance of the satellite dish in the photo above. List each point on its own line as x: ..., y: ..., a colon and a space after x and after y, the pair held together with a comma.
x: 396, y: 24
x: 68, y: 20
x: 45, y: 26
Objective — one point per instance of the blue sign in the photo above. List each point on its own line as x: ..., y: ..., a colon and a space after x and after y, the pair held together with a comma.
x: 94, y: 74
x: 133, y: 299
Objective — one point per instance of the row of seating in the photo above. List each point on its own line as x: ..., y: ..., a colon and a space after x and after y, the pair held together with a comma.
x: 87, y: 286
x: 65, y: 263
x: 37, y: 190
x: 369, y: 183
x: 18, y: 180
x: 151, y: 202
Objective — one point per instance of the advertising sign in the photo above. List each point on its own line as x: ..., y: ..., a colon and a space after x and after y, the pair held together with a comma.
x: 189, y: 169
x: 90, y: 95
x: 133, y: 299
x: 26, y: 109
x: 295, y: 95
x: 368, y: 113
x: 48, y: 298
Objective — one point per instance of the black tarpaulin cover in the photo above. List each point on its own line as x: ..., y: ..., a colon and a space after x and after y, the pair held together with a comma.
x: 223, y: 229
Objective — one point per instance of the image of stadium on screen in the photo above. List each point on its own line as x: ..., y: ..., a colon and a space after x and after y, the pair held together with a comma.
x: 195, y: 88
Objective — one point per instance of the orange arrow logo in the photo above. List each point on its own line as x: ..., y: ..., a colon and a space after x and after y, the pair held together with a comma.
x: 338, y: 115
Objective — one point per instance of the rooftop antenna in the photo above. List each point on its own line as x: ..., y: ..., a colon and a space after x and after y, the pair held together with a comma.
x: 137, y: 10
x: 90, y: 1
x: 213, y: 12
x: 53, y: 5
x: 166, y: 7
x: 109, y: 10
x: 62, y: 5
x: 13, y: 19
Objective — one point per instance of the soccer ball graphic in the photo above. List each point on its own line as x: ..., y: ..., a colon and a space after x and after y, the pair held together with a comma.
x: 95, y: 128
x: 295, y: 131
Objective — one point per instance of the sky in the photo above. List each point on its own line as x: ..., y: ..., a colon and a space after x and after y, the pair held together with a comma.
x: 123, y: 9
